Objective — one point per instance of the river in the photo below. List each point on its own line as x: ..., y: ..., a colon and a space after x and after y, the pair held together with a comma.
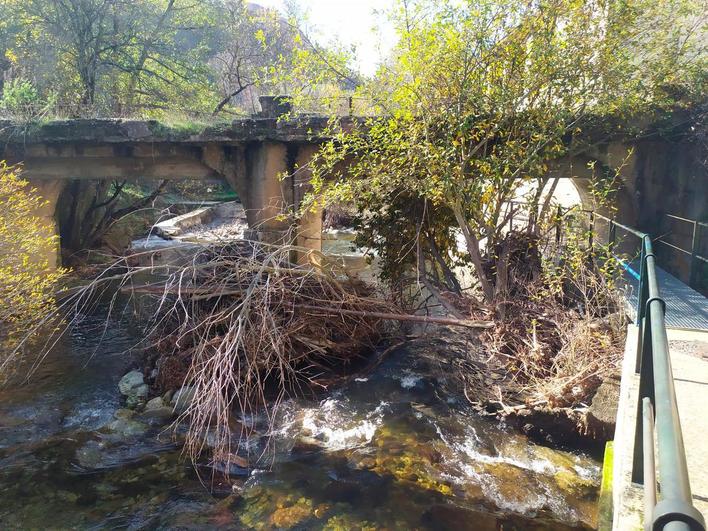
x: 385, y: 451
x: 397, y: 448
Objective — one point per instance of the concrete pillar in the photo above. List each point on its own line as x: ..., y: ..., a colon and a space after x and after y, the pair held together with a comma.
x: 267, y: 197
x: 49, y: 190
x: 271, y: 179
x: 309, y: 230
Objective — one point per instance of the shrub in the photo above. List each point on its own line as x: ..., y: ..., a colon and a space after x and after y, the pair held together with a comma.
x: 28, y: 275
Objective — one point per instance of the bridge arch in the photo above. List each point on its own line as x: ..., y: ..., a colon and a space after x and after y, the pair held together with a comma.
x: 585, y: 172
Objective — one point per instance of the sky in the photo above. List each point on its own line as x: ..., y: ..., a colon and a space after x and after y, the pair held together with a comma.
x: 351, y: 22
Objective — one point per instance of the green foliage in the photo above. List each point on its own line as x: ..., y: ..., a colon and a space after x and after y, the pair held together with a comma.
x: 479, y: 98
x: 28, y: 274
x: 174, y: 60
x: 21, y: 101
x: 17, y: 95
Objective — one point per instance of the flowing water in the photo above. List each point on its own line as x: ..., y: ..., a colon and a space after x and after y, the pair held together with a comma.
x: 386, y: 451
x: 395, y: 449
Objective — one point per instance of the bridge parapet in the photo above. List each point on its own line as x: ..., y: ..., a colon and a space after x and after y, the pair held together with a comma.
x: 117, y: 131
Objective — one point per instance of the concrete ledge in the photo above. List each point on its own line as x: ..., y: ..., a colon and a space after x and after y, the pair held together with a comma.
x: 627, y: 497
x: 174, y: 227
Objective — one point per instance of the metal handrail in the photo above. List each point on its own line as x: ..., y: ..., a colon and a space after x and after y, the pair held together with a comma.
x: 696, y: 234
x: 657, y: 406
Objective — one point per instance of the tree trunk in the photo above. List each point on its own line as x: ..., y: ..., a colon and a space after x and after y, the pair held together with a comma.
x: 472, y: 244
x: 147, y: 45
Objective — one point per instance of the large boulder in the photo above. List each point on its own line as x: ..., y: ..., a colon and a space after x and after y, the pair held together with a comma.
x: 134, y: 388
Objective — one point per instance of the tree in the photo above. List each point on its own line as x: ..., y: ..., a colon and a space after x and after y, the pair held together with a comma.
x: 90, y: 209
x: 249, y: 42
x: 477, y: 98
x: 161, y: 58
x: 27, y: 275
x: 112, y: 53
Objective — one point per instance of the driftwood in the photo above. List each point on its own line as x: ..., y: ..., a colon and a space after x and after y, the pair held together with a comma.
x: 246, y: 324
x: 197, y: 293
x: 402, y: 317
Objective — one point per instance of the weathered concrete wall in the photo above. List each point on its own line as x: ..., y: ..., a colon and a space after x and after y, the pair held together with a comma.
x: 310, y: 224
x: 661, y: 175
x: 50, y: 192
x: 655, y: 177
x: 672, y: 178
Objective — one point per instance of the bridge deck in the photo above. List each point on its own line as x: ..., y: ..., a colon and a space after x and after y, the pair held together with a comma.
x: 689, y: 360
x: 685, y: 307
x: 687, y: 321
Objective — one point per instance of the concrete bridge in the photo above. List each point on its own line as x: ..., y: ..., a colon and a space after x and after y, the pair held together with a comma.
x: 254, y: 154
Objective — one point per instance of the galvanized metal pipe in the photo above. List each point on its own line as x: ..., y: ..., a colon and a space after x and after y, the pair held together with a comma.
x: 649, y: 469
x: 673, y: 470
x: 675, y: 510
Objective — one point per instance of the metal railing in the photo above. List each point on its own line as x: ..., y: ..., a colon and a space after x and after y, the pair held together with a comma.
x: 669, y: 507
x: 317, y: 105
x: 694, y: 252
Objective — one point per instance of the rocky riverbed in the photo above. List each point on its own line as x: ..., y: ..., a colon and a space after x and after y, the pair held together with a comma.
x: 395, y: 449
x: 91, y: 443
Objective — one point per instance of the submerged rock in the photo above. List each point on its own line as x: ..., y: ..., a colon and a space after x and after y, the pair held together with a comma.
x: 89, y: 455
x: 183, y: 398
x: 124, y: 413
x: 575, y: 485
x: 129, y: 382
x: 126, y: 427
x: 292, y: 514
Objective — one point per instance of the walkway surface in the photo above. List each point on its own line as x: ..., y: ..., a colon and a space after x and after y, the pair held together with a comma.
x: 685, y: 308
x: 687, y: 324
x: 689, y: 359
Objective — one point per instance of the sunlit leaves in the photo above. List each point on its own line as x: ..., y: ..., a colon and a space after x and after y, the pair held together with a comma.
x: 27, y: 249
x: 479, y: 96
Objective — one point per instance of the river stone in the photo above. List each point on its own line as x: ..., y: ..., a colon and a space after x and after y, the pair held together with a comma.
x: 183, y: 398
x: 157, y: 410
x: 130, y: 381
x: 155, y: 403
x: 137, y: 395
x: 127, y: 427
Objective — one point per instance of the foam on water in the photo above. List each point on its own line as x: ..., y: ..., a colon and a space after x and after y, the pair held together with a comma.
x: 333, y: 424
x: 410, y: 380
